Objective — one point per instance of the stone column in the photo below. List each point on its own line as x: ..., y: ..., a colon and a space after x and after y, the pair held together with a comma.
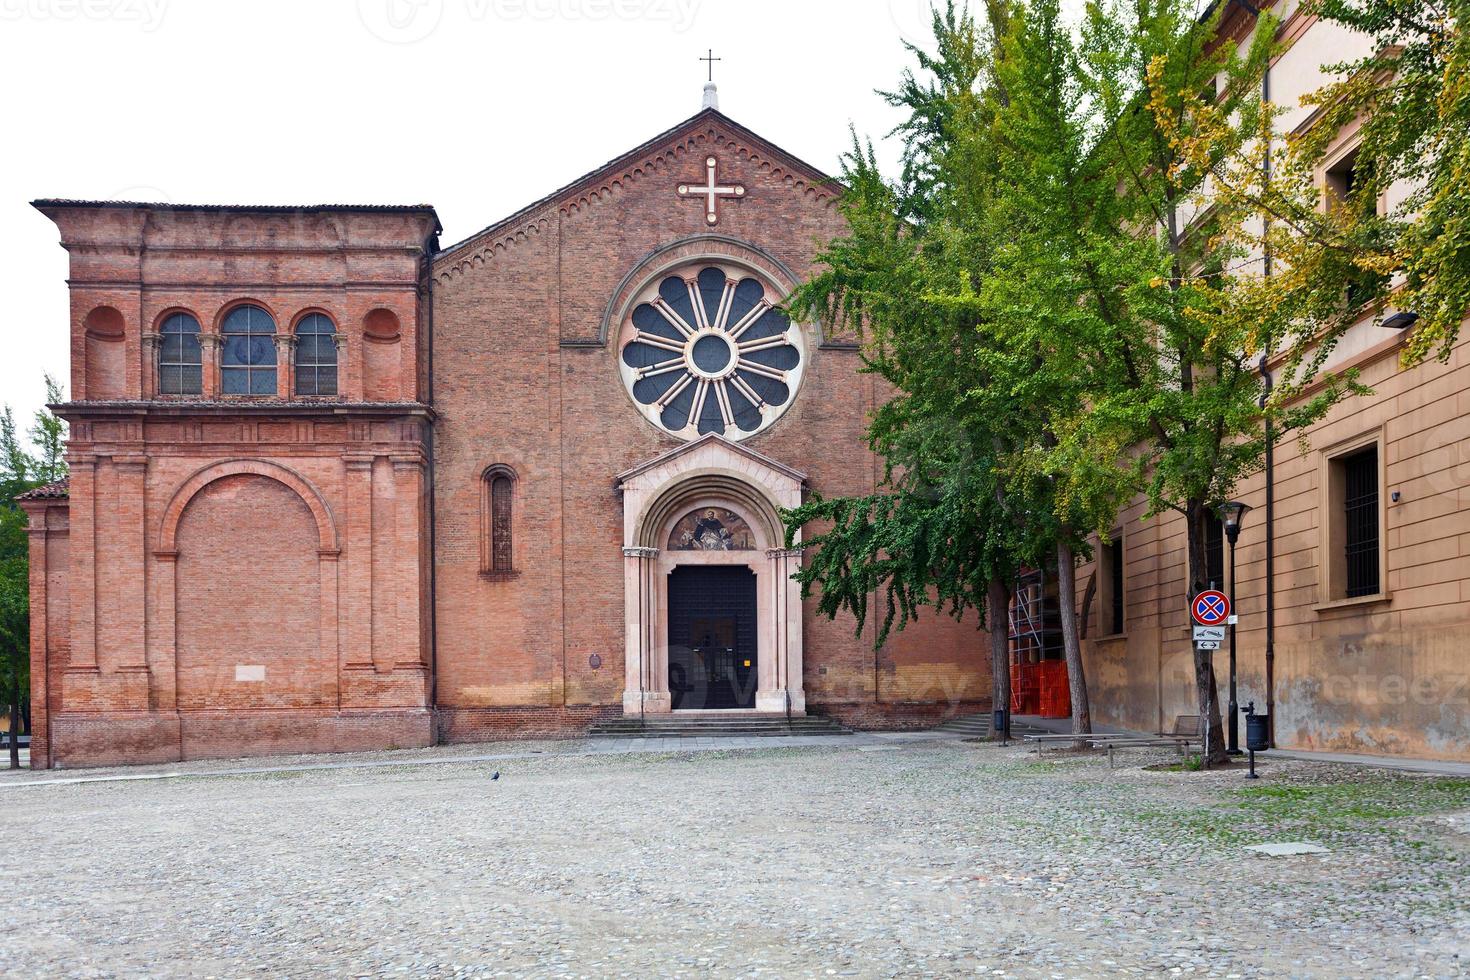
x: 285, y: 365
x: 340, y: 339
x: 785, y: 598
x: 209, y: 360
x: 644, y: 690
x: 151, y: 344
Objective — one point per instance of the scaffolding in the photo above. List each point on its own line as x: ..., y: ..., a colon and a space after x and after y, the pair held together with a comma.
x: 1038, y: 671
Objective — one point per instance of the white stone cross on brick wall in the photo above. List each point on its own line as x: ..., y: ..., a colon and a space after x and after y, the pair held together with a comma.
x: 711, y: 191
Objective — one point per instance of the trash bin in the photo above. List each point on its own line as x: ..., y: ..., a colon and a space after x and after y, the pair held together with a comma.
x: 998, y: 722
x: 1257, y: 732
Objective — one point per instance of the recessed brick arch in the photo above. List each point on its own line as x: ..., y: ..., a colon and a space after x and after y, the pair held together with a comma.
x: 326, y: 526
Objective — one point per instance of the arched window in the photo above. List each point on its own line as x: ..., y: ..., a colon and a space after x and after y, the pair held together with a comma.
x: 497, y: 503
x: 316, y: 356
x: 248, y: 365
x: 179, y: 361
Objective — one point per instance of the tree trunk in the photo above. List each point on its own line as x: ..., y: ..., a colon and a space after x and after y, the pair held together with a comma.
x: 1206, y: 690
x: 998, y: 609
x: 1067, y: 599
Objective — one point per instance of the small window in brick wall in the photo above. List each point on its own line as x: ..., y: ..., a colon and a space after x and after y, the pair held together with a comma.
x: 180, y: 370
x: 316, y: 356
x: 497, y: 519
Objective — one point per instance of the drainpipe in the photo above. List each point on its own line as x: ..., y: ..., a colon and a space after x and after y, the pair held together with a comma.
x: 432, y: 246
x: 1270, y: 584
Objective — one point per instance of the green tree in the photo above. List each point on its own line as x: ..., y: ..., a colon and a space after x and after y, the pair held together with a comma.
x: 48, y: 435
x: 1398, y: 238
x: 953, y: 522
x: 1064, y: 323
x: 1116, y: 255
x: 15, y: 622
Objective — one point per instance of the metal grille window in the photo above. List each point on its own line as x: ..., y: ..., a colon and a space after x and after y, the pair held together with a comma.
x: 1360, y: 507
x: 316, y: 356
x: 180, y: 370
x: 500, y: 524
x: 1115, y: 576
x: 1214, y: 551
x: 248, y: 366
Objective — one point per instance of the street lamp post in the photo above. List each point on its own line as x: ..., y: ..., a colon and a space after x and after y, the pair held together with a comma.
x: 1231, y: 515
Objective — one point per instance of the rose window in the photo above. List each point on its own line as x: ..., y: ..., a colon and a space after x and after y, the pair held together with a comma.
x: 710, y: 353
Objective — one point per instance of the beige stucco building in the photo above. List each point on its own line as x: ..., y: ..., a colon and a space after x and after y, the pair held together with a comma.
x: 1370, y: 528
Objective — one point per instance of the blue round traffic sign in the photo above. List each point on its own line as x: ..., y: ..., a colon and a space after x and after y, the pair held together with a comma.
x: 1210, y: 608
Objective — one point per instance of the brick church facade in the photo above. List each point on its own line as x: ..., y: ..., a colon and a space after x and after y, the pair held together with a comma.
x: 334, y: 487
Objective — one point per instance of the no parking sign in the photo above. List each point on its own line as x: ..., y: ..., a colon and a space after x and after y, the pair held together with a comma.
x: 1210, y: 609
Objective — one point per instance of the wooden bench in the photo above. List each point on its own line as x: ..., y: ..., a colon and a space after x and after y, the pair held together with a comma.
x: 1186, y: 732
x: 1096, y: 741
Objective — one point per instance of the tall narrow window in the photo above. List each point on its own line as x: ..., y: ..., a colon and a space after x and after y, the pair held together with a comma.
x: 497, y: 520
x: 1349, y: 186
x: 1115, y: 572
x: 1214, y: 551
x: 316, y: 356
x: 1110, y: 585
x: 1360, y: 523
x: 500, y: 524
x: 180, y: 369
x: 248, y: 365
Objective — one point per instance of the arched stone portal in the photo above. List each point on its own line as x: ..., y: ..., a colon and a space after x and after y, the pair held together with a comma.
x: 711, y: 503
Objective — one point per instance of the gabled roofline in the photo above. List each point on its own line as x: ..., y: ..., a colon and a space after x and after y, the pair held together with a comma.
x: 695, y: 444
x: 590, y: 178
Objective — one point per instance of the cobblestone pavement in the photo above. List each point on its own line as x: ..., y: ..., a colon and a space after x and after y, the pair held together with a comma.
x: 866, y: 857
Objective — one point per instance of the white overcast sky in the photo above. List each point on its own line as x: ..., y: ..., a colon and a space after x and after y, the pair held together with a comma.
x: 477, y: 107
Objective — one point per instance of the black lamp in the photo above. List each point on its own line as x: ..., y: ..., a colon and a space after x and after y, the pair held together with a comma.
x: 1232, y: 513
x: 1402, y: 320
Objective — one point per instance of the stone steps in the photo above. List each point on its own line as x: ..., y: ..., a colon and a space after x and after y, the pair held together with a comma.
x: 735, y: 726
x: 978, y: 726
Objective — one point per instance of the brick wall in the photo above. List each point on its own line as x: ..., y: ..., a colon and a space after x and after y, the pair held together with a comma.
x: 524, y: 378
x: 247, y: 574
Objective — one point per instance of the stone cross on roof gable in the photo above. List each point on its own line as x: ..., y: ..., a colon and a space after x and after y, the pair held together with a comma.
x: 712, y: 191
